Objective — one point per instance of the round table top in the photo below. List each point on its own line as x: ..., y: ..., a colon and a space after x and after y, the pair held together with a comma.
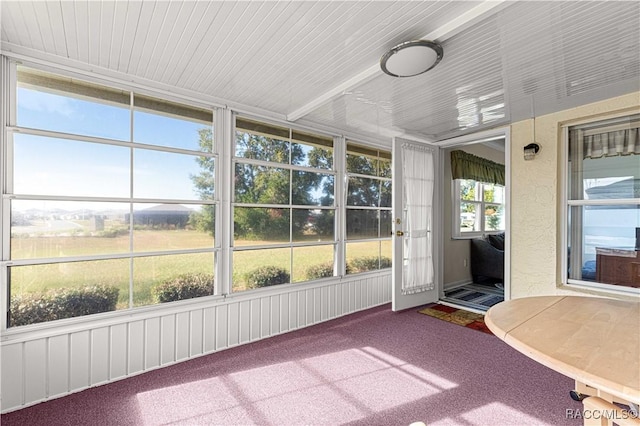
x: 593, y: 340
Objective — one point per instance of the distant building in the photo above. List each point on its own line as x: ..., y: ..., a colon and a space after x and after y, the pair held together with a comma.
x: 162, y: 216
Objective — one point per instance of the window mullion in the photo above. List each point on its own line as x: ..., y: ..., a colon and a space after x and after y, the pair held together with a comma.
x: 340, y: 198
x: 131, y: 194
x: 224, y: 224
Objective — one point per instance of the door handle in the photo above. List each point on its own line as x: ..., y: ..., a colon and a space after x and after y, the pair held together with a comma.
x: 399, y: 233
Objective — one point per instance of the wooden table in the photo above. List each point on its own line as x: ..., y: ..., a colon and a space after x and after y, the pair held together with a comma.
x: 593, y: 340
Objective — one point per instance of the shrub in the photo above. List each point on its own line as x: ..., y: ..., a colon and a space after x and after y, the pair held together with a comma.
x: 114, y: 232
x: 364, y: 264
x: 265, y: 276
x: 185, y: 286
x: 62, y: 303
x: 322, y: 270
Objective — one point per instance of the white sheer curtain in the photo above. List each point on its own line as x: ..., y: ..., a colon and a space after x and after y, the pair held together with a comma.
x: 418, y: 177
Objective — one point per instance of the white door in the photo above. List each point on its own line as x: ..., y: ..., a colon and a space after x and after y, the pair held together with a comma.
x: 414, y: 266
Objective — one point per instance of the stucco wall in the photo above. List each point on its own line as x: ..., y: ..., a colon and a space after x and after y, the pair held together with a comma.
x: 536, y: 195
x: 457, y: 251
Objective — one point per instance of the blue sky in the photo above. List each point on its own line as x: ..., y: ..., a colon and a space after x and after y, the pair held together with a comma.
x: 48, y: 166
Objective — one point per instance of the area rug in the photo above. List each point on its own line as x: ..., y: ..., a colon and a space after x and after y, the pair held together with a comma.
x: 457, y: 316
x: 476, y: 296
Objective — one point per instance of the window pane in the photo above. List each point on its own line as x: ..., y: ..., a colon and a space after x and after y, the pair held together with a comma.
x: 261, y: 185
x: 469, y: 190
x: 261, y: 268
x: 261, y: 147
x: 605, y: 242
x: 363, y: 257
x: 494, y: 218
x: 368, y: 161
x: 257, y: 226
x: 493, y: 193
x: 602, y: 164
x: 363, y: 192
x: 318, y: 157
x: 164, y: 123
x: 386, y: 223
x: 385, y: 194
x: 312, y: 263
x: 172, y: 227
x: 469, y: 217
x: 158, y: 279
x: 41, y: 293
x: 386, y: 252
x: 362, y: 224
x: 313, y: 225
x: 605, y: 178
x: 361, y: 164
x: 158, y: 174
x: 312, y: 188
x: 48, y: 166
x: 63, y: 104
x: 45, y: 229
x: 385, y: 168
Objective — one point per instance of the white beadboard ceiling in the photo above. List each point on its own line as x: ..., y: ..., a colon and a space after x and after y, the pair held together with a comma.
x: 316, y: 62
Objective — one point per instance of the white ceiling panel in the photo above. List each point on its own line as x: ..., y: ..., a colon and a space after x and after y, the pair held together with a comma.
x: 502, y: 62
x: 528, y: 59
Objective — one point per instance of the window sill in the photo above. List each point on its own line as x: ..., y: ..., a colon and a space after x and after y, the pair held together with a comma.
x: 472, y: 235
x: 600, y: 289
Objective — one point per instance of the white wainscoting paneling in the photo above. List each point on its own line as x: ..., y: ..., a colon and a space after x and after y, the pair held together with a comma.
x: 50, y: 363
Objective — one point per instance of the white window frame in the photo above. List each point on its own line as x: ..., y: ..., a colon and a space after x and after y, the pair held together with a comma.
x: 567, y: 203
x: 379, y: 209
x: 290, y: 206
x: 10, y: 127
x: 457, y: 201
x: 223, y: 136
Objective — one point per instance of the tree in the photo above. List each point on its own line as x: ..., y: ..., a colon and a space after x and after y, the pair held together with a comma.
x: 203, y: 182
x: 258, y: 184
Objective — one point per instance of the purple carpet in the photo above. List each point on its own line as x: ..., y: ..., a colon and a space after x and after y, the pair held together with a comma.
x: 374, y: 367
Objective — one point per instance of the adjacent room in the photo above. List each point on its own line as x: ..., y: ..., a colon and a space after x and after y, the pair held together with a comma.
x: 319, y: 212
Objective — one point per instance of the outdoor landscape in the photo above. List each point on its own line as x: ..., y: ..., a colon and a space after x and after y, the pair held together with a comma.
x: 111, y: 224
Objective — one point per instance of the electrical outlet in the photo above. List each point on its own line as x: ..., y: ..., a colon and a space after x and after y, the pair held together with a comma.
x: 465, y: 262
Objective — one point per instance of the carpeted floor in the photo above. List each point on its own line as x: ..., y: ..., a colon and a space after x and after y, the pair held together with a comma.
x: 374, y: 367
x: 457, y: 316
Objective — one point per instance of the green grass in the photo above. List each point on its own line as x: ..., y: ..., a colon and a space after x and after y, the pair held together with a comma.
x: 150, y: 271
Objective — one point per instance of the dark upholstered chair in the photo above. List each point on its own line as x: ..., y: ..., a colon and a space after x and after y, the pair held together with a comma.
x: 487, y: 259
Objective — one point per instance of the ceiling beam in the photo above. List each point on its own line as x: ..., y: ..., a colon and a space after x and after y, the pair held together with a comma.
x: 446, y: 31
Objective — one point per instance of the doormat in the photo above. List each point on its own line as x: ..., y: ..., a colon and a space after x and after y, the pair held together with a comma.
x: 457, y: 316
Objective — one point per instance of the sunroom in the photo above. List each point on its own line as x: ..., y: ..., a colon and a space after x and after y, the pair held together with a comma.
x: 180, y: 178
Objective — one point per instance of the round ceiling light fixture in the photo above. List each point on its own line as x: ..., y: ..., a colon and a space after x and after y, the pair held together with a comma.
x: 411, y: 58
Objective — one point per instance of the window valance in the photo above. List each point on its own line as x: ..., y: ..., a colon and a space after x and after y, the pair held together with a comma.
x: 615, y: 137
x: 469, y: 166
x: 611, y: 144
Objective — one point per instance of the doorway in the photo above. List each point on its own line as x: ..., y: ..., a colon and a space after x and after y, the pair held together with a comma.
x: 475, y: 221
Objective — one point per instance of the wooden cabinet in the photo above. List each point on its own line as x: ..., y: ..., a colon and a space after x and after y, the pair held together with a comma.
x: 616, y: 266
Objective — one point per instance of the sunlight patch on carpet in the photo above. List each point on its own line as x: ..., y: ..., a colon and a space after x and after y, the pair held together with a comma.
x: 337, y: 387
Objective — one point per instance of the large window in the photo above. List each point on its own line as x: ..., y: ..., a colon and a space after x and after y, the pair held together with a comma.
x: 368, y: 209
x: 477, y: 194
x: 603, y: 203
x: 478, y: 208
x: 111, y: 199
x: 283, y: 207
